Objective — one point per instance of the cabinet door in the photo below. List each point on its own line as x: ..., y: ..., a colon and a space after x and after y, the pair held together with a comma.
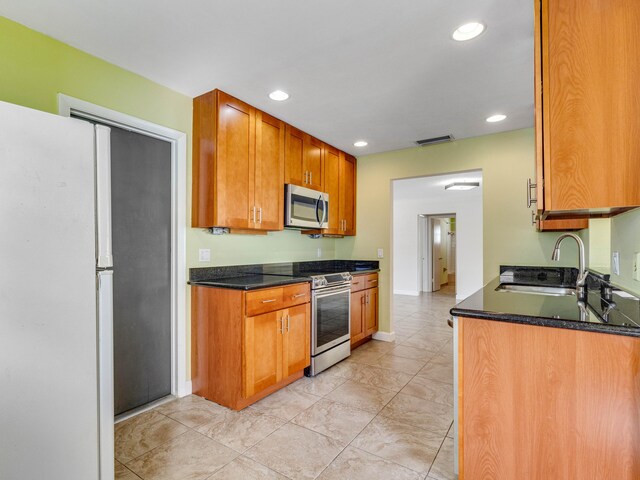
x: 269, y: 172
x: 262, y: 351
x: 313, y: 162
x: 591, y: 103
x: 296, y: 351
x: 332, y: 187
x: 371, y: 311
x: 348, y: 193
x: 357, y: 311
x: 235, y: 155
x: 293, y: 161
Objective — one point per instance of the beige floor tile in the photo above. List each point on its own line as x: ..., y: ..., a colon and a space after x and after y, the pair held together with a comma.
x: 450, y: 432
x: 345, y: 369
x: 141, y: 433
x: 190, y: 410
x: 285, y: 403
x: 336, y: 420
x: 320, y: 385
x: 421, y: 413
x: 364, y: 397
x: 412, y: 353
x: 355, y: 464
x: 382, y: 378
x: 437, y: 371
x: 367, y: 357
x: 295, y: 452
x: 424, y: 344
x: 190, y: 455
x: 400, y: 443
x: 123, y: 473
x: 442, y: 468
x: 377, y: 346
x: 243, y: 468
x: 240, y: 430
x: 433, y: 390
x: 401, y: 364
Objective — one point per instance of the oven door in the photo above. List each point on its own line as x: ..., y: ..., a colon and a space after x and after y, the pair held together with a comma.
x: 331, y: 317
x: 306, y: 208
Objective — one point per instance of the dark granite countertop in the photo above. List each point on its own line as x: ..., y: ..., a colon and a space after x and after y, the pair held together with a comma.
x: 252, y: 277
x: 606, y: 309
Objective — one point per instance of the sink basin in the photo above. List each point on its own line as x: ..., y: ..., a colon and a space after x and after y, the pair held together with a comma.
x: 536, y: 290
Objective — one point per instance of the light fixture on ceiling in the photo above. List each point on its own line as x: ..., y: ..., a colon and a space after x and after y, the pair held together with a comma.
x: 360, y: 143
x: 278, y: 95
x: 468, y: 31
x: 461, y: 185
x: 496, y: 118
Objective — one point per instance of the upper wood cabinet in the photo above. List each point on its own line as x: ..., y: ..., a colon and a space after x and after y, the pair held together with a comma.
x: 238, y: 165
x: 587, y: 61
x: 304, y: 160
x: 348, y: 193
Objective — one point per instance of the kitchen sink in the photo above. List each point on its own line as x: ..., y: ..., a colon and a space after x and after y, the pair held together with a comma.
x: 536, y: 290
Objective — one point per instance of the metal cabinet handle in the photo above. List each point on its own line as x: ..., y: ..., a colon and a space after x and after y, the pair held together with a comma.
x: 269, y: 301
x: 306, y: 177
x: 310, y: 177
x: 533, y: 218
x: 260, y: 215
x: 372, y: 281
x: 288, y: 322
x: 281, y: 329
x: 298, y: 295
x: 530, y: 199
x: 252, y: 214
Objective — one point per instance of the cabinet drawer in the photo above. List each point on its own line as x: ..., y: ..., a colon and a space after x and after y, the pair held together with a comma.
x: 362, y: 282
x: 262, y: 301
x: 295, y: 294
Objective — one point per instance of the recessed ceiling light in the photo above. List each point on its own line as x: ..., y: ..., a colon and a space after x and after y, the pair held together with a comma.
x: 496, y: 118
x: 278, y: 96
x: 462, y: 185
x: 468, y: 31
x: 360, y: 143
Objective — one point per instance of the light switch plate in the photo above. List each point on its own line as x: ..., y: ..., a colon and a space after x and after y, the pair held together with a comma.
x: 204, y: 255
x: 615, y: 263
x: 380, y: 253
x: 636, y: 264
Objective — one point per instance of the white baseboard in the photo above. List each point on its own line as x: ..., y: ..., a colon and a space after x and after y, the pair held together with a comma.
x: 459, y: 298
x: 186, y: 389
x: 413, y: 293
x: 385, y: 336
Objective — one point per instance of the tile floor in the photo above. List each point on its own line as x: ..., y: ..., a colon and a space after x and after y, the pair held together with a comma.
x: 384, y: 413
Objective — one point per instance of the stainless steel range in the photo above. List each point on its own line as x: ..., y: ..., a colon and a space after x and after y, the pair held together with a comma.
x: 330, y: 320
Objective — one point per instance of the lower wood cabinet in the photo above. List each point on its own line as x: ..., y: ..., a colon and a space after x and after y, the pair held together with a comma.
x: 364, y: 308
x: 246, y: 345
x: 547, y: 403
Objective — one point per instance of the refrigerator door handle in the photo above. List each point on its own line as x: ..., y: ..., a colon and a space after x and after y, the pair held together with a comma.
x: 103, y: 196
x: 105, y: 373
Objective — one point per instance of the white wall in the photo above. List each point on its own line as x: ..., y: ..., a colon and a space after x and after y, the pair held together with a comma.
x: 467, y: 206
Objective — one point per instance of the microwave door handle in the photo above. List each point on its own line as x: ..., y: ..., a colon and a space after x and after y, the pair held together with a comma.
x: 325, y: 212
x: 318, y: 208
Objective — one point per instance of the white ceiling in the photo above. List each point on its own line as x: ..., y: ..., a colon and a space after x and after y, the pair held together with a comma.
x: 432, y: 187
x: 386, y: 71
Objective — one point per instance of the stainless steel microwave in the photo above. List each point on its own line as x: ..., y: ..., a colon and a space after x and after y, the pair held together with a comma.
x: 305, y: 208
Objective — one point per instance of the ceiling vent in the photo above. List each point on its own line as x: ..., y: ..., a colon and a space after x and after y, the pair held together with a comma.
x: 434, y: 140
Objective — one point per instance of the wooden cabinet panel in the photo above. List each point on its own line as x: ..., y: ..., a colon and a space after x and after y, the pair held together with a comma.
x: 558, y: 225
x: 357, y: 283
x: 587, y: 106
x: 294, y: 171
x: 348, y: 193
x: 313, y: 162
x: 371, y: 311
x: 357, y: 310
x: 263, y: 351
x: 332, y: 187
x: 269, y: 172
x: 264, y: 300
x: 296, y: 294
x: 296, y: 347
x: 539, y: 402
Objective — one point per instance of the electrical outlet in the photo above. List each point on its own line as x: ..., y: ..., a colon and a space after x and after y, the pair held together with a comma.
x: 380, y: 253
x: 615, y: 263
x: 204, y: 255
x: 636, y: 263
x: 319, y: 252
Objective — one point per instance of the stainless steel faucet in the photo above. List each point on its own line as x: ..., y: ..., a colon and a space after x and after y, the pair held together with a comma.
x: 582, y: 271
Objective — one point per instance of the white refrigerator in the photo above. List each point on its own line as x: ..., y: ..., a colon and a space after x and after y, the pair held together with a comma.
x: 56, y: 348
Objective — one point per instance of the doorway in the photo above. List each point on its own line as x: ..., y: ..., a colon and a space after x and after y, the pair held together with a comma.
x: 437, y: 246
x: 146, y: 231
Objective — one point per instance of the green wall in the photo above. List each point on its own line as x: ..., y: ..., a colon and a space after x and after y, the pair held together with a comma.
x: 506, y: 161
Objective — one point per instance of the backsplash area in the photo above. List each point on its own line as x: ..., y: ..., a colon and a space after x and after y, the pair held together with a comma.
x: 625, y: 239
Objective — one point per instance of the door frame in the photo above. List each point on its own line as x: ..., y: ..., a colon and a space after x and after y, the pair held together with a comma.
x: 67, y: 106
x: 425, y: 243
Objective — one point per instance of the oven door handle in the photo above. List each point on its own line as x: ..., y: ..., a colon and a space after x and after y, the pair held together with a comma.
x: 327, y: 292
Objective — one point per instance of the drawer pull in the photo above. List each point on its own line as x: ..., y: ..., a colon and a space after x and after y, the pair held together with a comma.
x: 372, y: 281
x: 269, y: 301
x: 298, y: 295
